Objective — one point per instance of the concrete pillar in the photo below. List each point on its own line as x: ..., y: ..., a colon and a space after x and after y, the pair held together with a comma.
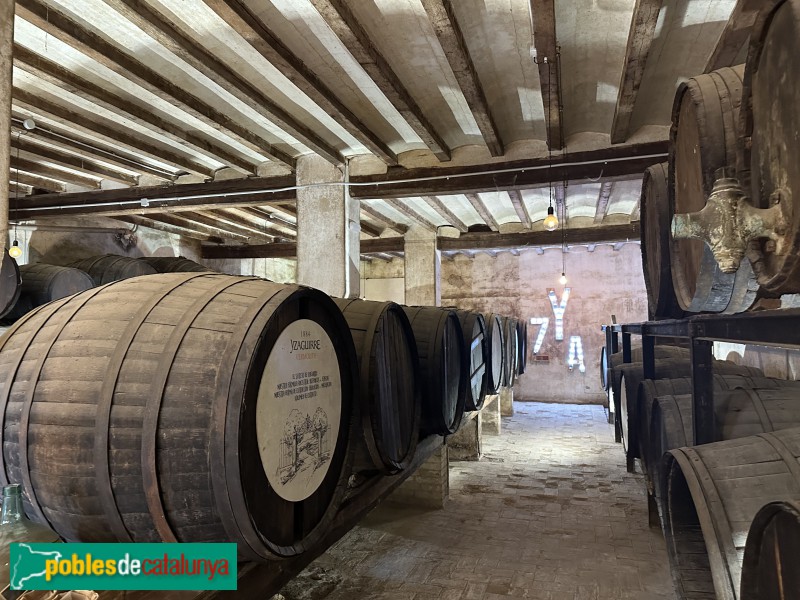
x: 328, y: 227
x: 429, y: 487
x: 507, y: 401
x: 423, y: 268
x: 490, y: 413
x: 6, y: 47
x: 465, y: 444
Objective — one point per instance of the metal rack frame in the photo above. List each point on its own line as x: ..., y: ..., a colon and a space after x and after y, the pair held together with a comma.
x: 765, y: 328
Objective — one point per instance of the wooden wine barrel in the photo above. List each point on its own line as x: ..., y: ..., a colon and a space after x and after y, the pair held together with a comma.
x: 110, y: 267
x: 710, y: 495
x: 175, y: 264
x: 10, y: 284
x: 444, y: 367
x: 43, y: 283
x: 632, y: 375
x: 185, y: 407
x: 770, y: 146
x: 614, y: 375
x: 390, y: 394
x: 703, y: 138
x: 511, y: 351
x: 476, y: 344
x: 494, y: 327
x: 522, y: 337
x: 738, y: 413
x: 769, y: 567
x: 655, y: 227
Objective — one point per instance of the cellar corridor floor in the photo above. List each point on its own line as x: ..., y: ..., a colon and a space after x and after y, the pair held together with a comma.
x: 548, y: 513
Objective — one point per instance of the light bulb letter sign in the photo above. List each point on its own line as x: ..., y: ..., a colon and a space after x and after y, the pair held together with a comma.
x: 575, y: 357
x: 542, y: 322
x: 559, y: 308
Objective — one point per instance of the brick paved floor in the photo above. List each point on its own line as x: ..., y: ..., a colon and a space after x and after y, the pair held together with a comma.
x: 548, y: 513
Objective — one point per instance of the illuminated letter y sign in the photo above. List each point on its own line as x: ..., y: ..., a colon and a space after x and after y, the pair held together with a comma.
x: 559, y: 310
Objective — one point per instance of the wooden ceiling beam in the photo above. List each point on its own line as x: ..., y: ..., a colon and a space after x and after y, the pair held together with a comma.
x: 340, y: 18
x: 189, y: 232
x: 70, y: 161
x: 63, y: 78
x: 381, y: 218
x: 35, y: 181
x: 267, y: 223
x: 220, y: 221
x: 57, y: 24
x: 452, y: 41
x: 87, y: 125
x: 370, y: 229
x: 546, y: 44
x: 175, y: 220
x: 640, y: 38
x: 734, y: 35
x: 169, y: 34
x: 520, y: 208
x: 18, y: 189
x: 448, y: 215
x: 602, y: 201
x: 36, y: 168
x: 481, y: 209
x: 404, y: 209
x: 242, y: 20
x: 465, y: 243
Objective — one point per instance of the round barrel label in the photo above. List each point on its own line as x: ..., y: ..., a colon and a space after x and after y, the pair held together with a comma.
x: 299, y: 409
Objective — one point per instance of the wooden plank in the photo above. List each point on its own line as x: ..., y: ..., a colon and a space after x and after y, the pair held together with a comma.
x: 34, y: 181
x: 259, y: 36
x: 403, y: 208
x: 369, y: 229
x: 223, y: 221
x: 158, y: 226
x: 265, y: 227
x: 546, y: 44
x: 63, y: 28
x: 481, y: 209
x: 436, y: 204
x: 176, y: 221
x: 452, y: 41
x: 640, y: 38
x: 734, y: 35
x: 340, y: 18
x: 381, y: 218
x: 602, y: 201
x: 37, y: 168
x: 268, y: 222
x: 520, y: 208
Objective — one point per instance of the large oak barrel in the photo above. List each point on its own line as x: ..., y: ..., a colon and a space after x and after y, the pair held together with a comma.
x: 175, y: 264
x: 769, y: 567
x: 443, y: 365
x: 710, y: 495
x: 389, y: 380
x: 703, y: 138
x: 181, y: 407
x: 632, y: 375
x: 655, y: 227
x: 110, y: 267
x: 10, y: 283
x: 522, y: 337
x: 607, y: 365
x: 511, y: 351
x: 43, y: 283
x: 476, y: 344
x: 494, y: 327
x: 770, y: 144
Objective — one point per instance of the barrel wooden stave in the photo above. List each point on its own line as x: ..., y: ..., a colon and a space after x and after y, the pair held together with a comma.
x: 187, y: 331
x: 10, y: 283
x: 769, y: 567
x: 175, y: 264
x: 390, y: 382
x: 497, y: 345
x: 511, y: 351
x: 655, y: 227
x: 476, y: 344
x: 710, y: 494
x: 444, y: 369
x: 111, y: 267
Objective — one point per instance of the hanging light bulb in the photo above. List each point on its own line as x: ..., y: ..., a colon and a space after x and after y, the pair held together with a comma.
x: 15, y: 251
x: 563, y: 279
x: 550, y: 221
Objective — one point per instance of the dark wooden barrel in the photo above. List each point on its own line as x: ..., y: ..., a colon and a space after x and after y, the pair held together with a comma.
x: 522, y: 338
x: 632, y: 375
x: 476, y: 344
x: 110, y: 267
x: 655, y: 227
x: 613, y: 375
x: 43, y: 283
x: 390, y: 394
x: 703, y: 138
x: 183, y: 407
x: 175, y: 264
x: 711, y: 494
x: 444, y: 367
x: 770, y: 146
x: 511, y: 351
x: 10, y: 284
x: 769, y: 567
x: 494, y: 327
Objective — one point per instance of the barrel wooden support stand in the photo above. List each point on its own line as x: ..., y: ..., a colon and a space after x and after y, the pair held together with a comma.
x: 465, y: 444
x: 490, y: 415
x: 507, y: 402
